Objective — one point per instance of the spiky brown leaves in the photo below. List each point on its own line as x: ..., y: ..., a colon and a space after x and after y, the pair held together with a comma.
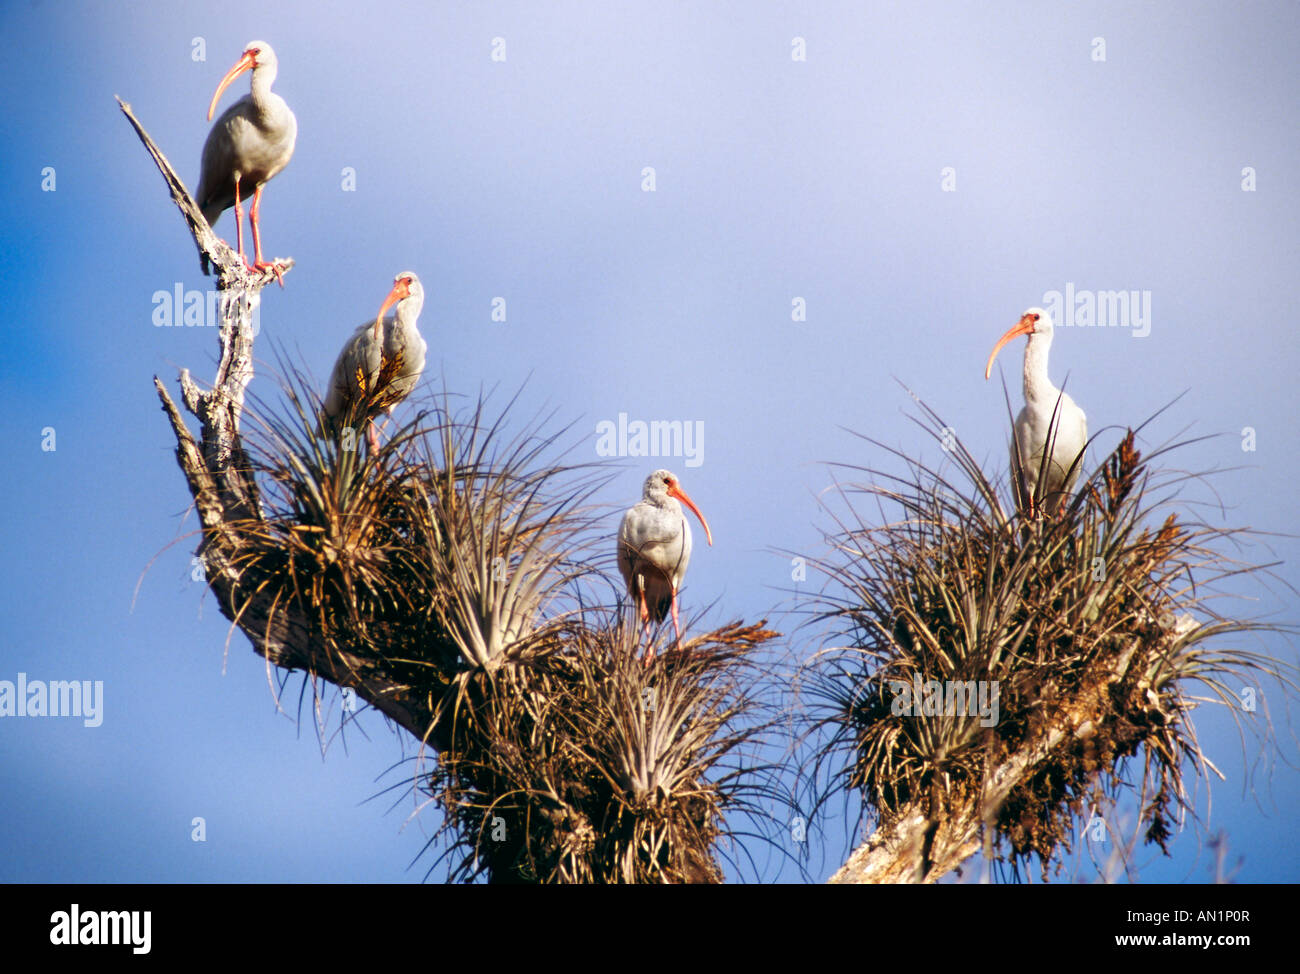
x: 1082, y: 631
x: 585, y: 765
x: 448, y: 579
x: 1119, y: 474
x: 462, y: 564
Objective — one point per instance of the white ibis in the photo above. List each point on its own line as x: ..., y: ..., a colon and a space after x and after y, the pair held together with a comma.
x: 251, y: 142
x: 381, y: 363
x: 654, y: 547
x: 1062, y: 438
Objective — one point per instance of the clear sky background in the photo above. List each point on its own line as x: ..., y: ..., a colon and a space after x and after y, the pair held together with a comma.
x: 775, y: 179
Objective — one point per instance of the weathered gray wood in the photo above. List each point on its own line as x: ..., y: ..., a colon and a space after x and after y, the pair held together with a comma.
x: 225, y: 490
x: 898, y: 852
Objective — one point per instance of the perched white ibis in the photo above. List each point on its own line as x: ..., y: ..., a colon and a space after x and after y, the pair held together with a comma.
x: 654, y: 547
x: 251, y: 142
x: 381, y: 363
x: 1049, y: 425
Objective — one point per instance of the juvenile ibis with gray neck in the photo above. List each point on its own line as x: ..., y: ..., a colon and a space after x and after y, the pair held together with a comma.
x: 654, y: 548
x: 1051, y: 432
x: 249, y: 144
x: 380, y: 364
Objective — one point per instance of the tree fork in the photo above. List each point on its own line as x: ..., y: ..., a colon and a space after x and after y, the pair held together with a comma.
x: 224, y: 488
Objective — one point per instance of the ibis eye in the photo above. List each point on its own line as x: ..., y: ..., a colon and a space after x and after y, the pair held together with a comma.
x: 1033, y: 317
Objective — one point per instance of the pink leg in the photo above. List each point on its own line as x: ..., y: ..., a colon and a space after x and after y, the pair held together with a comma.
x: 372, y: 437
x: 676, y: 626
x: 645, y: 628
x: 239, y: 222
x: 252, y: 220
x: 258, y: 263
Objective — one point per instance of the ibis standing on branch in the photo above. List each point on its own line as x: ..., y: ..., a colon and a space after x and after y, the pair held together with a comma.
x: 251, y: 142
x: 381, y: 363
x: 1051, y: 431
x: 654, y: 548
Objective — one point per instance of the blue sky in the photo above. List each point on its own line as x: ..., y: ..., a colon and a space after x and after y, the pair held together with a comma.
x: 775, y: 179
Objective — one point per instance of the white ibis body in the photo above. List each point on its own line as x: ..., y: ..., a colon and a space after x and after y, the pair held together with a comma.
x: 654, y: 547
x: 381, y: 363
x: 1051, y: 431
x: 251, y: 142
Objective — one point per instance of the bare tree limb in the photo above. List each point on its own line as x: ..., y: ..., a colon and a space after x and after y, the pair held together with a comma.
x: 224, y: 488
x: 893, y: 853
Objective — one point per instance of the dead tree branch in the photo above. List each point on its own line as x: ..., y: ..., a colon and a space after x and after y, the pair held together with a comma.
x: 224, y: 488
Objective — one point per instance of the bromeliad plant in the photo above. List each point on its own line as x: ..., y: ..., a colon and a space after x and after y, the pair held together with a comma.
x: 450, y: 579
x: 468, y: 569
x: 588, y: 766
x: 1001, y: 675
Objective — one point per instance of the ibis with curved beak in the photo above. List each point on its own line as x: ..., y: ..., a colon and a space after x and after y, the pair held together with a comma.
x: 251, y: 142
x: 654, y: 548
x: 1051, y: 431
x: 381, y: 363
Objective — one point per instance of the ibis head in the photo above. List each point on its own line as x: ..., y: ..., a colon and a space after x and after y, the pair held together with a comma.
x: 662, y: 485
x: 1034, y: 322
x: 406, y: 289
x: 258, y: 58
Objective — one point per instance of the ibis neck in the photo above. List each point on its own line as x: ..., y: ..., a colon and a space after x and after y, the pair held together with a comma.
x: 408, y: 312
x: 260, y: 87
x: 1038, y: 387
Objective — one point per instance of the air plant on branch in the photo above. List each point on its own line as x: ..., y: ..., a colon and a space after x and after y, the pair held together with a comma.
x: 448, y: 577
x: 471, y: 567
x: 1090, y: 632
x: 585, y: 765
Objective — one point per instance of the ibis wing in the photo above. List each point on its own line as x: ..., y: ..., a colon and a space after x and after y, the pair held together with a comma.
x: 1074, y: 435
x: 653, y: 541
x: 355, y: 374
x: 242, y: 140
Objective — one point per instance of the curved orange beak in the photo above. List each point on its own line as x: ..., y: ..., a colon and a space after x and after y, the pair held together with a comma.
x: 401, y: 289
x: 245, y: 63
x: 676, y: 491
x: 1025, y: 326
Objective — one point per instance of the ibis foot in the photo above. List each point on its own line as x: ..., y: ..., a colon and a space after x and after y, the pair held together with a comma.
x: 269, y: 265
